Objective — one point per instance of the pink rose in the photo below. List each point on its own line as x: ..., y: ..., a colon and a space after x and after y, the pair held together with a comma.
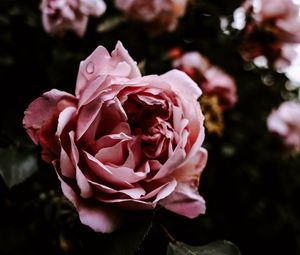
x: 191, y: 60
x: 124, y: 142
x: 211, y: 79
x: 285, y: 122
x: 58, y: 16
x: 162, y: 15
x: 218, y: 83
x: 273, y: 25
x: 284, y: 15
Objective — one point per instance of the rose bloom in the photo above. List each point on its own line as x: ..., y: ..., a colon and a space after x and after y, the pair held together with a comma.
x: 211, y: 79
x: 285, y: 123
x: 218, y: 83
x: 162, y: 15
x: 123, y: 142
x: 273, y: 25
x: 58, y: 16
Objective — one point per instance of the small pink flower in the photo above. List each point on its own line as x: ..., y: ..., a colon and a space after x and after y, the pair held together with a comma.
x: 272, y: 25
x: 285, y: 122
x: 124, y: 142
x: 58, y: 16
x: 162, y: 15
x: 217, y: 82
x: 212, y: 80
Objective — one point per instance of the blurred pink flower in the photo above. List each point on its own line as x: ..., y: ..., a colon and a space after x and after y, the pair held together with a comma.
x: 212, y: 80
x: 162, y: 15
x: 272, y: 31
x: 285, y: 122
x: 218, y: 83
x: 124, y: 142
x: 58, y: 16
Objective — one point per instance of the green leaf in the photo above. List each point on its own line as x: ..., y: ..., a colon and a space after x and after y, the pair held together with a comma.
x: 110, y: 24
x: 220, y: 247
x: 129, y: 238
x: 16, y: 164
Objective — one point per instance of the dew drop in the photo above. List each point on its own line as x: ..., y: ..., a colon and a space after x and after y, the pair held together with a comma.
x: 90, y: 67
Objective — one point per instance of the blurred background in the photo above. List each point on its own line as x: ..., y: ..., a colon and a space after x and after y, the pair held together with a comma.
x: 251, y: 183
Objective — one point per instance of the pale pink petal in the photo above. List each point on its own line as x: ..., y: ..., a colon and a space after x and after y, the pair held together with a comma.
x: 101, y: 63
x: 115, y: 154
x: 86, y: 190
x: 185, y: 199
x: 86, y: 116
x: 103, y: 172
x: 90, y: 68
x: 173, y: 162
x: 92, y: 7
x: 146, y: 202
x: 66, y: 165
x: 64, y: 118
x: 120, y: 54
x: 74, y: 154
x: 184, y: 202
x: 100, y: 218
x: 135, y: 192
x: 165, y: 190
x: 182, y: 84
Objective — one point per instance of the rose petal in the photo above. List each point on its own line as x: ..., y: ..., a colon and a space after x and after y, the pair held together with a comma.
x: 64, y: 118
x: 101, y: 63
x: 182, y: 84
x: 92, y: 7
x: 41, y: 119
x: 121, y: 54
x: 41, y: 111
x: 86, y: 117
x: 86, y: 190
x: 99, y: 218
x: 103, y: 196
x: 67, y: 168
x: 184, y: 202
x: 103, y: 172
x: 185, y: 199
x: 176, y: 158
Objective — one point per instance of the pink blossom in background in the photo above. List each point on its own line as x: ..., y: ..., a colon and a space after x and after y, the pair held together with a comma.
x: 191, y: 61
x: 285, y: 122
x: 123, y: 142
x: 162, y: 15
x: 212, y: 80
x: 58, y: 16
x: 217, y: 82
x: 273, y: 27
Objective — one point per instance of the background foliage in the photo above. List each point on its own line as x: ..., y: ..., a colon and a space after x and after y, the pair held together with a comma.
x: 251, y: 186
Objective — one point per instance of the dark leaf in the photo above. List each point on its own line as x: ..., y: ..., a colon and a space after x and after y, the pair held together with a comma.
x: 220, y: 247
x: 129, y: 238
x: 110, y: 24
x: 16, y: 165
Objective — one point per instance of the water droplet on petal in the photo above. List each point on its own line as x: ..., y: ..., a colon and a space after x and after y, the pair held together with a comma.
x: 90, y: 67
